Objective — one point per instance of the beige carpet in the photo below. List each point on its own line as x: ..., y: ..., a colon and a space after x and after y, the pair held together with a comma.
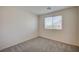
x: 42, y: 45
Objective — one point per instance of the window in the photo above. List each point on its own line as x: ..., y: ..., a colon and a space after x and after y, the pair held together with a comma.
x: 53, y: 22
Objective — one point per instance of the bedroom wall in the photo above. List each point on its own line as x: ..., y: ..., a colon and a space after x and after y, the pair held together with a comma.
x: 69, y: 32
x: 16, y: 26
x: 78, y: 26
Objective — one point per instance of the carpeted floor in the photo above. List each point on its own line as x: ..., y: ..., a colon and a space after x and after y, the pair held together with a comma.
x: 42, y: 45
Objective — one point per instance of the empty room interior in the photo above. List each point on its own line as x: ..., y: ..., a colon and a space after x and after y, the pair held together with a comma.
x: 39, y: 29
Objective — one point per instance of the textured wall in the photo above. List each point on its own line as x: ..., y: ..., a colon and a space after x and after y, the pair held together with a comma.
x: 17, y: 25
x: 78, y: 26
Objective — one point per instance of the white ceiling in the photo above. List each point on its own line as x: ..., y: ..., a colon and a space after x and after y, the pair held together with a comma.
x: 38, y: 10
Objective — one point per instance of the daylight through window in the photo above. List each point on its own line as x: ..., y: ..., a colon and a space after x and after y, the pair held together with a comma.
x: 53, y: 22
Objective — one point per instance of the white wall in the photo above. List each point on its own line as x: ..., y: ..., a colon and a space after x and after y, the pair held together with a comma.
x: 16, y: 25
x: 69, y: 32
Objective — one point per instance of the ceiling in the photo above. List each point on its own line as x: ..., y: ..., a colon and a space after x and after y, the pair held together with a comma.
x: 38, y: 10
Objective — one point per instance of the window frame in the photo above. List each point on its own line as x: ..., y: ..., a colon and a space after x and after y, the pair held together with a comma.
x: 53, y: 28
